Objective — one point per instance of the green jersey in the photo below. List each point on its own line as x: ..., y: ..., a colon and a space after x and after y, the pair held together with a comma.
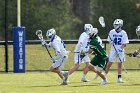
x: 97, y: 46
x: 100, y: 58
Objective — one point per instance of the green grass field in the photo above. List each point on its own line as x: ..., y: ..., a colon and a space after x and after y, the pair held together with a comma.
x: 48, y: 82
x: 37, y: 57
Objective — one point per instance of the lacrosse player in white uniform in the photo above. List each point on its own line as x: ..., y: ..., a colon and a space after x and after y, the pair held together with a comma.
x: 81, y: 54
x: 61, y: 55
x: 118, y: 39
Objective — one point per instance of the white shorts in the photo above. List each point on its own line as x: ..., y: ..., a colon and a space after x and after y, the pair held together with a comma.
x: 78, y: 60
x: 60, y: 62
x: 114, y: 58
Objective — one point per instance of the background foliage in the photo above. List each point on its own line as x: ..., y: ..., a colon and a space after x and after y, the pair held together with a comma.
x: 69, y: 16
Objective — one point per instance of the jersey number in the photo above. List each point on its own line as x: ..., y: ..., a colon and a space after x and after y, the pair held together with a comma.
x: 117, y: 41
x: 63, y: 43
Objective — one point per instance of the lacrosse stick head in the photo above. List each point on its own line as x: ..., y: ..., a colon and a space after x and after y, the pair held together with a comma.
x: 39, y: 34
x: 101, y: 21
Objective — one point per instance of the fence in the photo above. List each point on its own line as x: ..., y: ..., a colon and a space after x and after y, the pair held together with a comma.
x: 37, y: 58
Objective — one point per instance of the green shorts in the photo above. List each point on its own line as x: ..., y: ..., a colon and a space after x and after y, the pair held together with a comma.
x: 99, y: 61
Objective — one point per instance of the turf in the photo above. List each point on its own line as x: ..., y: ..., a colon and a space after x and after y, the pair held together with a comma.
x: 48, y: 82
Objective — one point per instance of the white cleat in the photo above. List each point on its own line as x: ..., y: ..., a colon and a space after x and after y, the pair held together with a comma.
x: 103, y: 82
x: 120, y: 80
x: 85, y: 80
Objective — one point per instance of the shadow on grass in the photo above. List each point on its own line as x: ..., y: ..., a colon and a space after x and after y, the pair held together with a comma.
x: 72, y: 84
x: 131, y: 85
x: 46, y: 86
x: 84, y: 85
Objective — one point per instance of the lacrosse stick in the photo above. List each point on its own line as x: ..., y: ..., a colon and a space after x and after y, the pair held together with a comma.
x: 102, y: 22
x: 131, y: 55
x: 39, y: 34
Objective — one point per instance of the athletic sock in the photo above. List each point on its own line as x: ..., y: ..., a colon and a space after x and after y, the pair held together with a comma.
x: 119, y: 76
x: 84, y: 76
x: 62, y: 72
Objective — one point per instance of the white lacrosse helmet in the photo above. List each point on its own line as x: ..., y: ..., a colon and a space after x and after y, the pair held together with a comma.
x: 118, y: 23
x: 138, y: 29
x: 51, y: 33
x: 92, y: 32
x: 87, y: 27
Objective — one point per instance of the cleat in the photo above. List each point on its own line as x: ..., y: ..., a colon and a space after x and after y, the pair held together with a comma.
x: 64, y: 83
x: 103, y: 82
x: 85, y: 80
x: 120, y: 80
x: 65, y: 76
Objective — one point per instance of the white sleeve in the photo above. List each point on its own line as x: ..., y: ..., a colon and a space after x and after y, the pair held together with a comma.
x: 125, y: 39
x: 109, y: 38
x: 55, y: 46
x: 81, y: 39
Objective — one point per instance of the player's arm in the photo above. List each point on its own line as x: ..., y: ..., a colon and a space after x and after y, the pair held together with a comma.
x: 110, y: 37
x: 90, y: 51
x: 139, y: 50
x: 80, y: 42
x: 123, y: 46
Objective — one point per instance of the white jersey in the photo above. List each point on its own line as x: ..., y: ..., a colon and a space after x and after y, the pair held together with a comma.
x: 81, y: 45
x: 61, y: 55
x: 57, y: 44
x: 118, y: 38
x: 82, y: 42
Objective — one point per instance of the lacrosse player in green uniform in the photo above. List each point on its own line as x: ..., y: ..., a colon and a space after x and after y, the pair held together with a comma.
x: 100, y: 58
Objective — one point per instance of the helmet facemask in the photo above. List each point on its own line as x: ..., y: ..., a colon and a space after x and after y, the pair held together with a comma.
x: 50, y: 33
x: 118, y: 23
x: 93, y: 32
x: 87, y: 27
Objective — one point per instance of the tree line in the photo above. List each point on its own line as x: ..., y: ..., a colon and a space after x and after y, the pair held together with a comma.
x: 69, y: 16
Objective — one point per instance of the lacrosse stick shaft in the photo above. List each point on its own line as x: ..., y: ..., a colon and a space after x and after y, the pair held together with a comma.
x: 118, y: 56
x: 102, y: 22
x: 39, y: 34
x: 48, y: 52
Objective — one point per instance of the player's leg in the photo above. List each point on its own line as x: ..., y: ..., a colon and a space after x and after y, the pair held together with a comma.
x: 86, y: 60
x: 120, y: 73
x: 85, y: 71
x: 109, y: 64
x: 104, y: 79
x: 120, y: 67
x: 99, y: 72
x: 56, y: 67
x: 102, y: 66
x: 56, y: 70
x: 74, y: 67
x: 112, y: 59
x: 77, y: 61
x: 92, y: 68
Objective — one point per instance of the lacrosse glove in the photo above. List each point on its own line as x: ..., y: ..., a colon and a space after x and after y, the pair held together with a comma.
x: 135, y: 54
x: 53, y: 60
x: 43, y: 43
x: 118, y: 52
